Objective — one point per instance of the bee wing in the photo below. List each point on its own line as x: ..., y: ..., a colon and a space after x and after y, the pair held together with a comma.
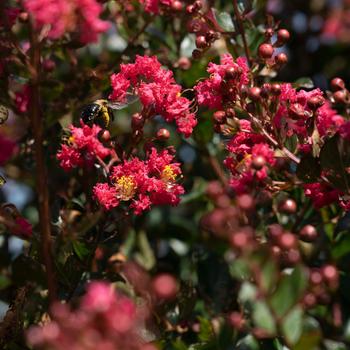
x: 130, y: 99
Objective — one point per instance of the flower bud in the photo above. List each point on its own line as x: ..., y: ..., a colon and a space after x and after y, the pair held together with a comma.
x: 254, y: 93
x: 288, y: 206
x: 337, y: 84
x: 315, y: 102
x: 176, y: 5
x: 276, y: 89
x: 245, y: 202
x: 308, y: 234
x: 201, y: 42
x: 258, y: 162
x: 282, y: 37
x: 165, y: 286
x: 137, y: 121
x: 281, y: 59
x: 163, y: 134
x: 219, y: 117
x: 287, y: 241
x: 340, y: 96
x: 266, y: 51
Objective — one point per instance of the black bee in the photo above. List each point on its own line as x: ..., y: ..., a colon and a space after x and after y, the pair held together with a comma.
x: 100, y: 112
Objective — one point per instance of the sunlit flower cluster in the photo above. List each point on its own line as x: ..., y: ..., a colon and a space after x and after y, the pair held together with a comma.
x: 141, y: 184
x: 157, y: 90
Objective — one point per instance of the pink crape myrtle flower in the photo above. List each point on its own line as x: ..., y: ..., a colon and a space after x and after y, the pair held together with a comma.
x: 22, y: 98
x: 211, y: 92
x: 157, y: 90
x: 63, y: 16
x: 321, y: 194
x: 142, y: 184
x: 82, y: 148
x: 105, y: 320
x: 153, y: 6
x: 244, y: 147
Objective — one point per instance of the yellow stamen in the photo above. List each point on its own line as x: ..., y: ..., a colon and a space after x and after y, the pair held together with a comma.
x: 126, y: 187
x: 168, y: 173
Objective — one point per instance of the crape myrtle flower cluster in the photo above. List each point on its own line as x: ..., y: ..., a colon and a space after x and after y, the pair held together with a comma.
x: 104, y: 320
x: 138, y: 183
x: 142, y: 183
x: 258, y: 134
x: 82, y: 147
x: 61, y: 17
x: 157, y: 90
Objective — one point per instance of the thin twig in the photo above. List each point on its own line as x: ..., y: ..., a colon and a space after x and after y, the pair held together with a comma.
x: 242, y: 31
x: 41, y: 169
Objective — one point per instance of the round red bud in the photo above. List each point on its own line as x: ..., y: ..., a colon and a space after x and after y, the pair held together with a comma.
x: 330, y: 274
x: 258, y: 162
x: 288, y: 206
x: 105, y: 136
x: 340, y: 96
x: 165, y: 286
x: 283, y: 36
x: 337, y: 84
x: 281, y: 59
x: 163, y: 134
x: 23, y: 17
x: 49, y: 65
x: 275, y: 231
x: 239, y: 239
x: 177, y: 5
x: 266, y: 51
x: 201, y: 42
x: 214, y: 189
x: 219, y: 117
x: 276, y: 89
x: 308, y: 234
x: 315, y: 277
x: 137, y: 121
x: 276, y: 251
x: 287, y: 241
x: 315, y: 102
x: 254, y: 93
x: 236, y: 320
x: 232, y: 73
x: 269, y: 33
x: 245, y: 202
x: 309, y: 300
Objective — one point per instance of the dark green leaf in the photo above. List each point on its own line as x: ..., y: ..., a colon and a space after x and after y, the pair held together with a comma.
x: 80, y: 249
x: 224, y: 20
x: 263, y: 318
x: 292, y: 325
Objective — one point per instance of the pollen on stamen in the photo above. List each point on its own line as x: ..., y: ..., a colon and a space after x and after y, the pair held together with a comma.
x: 168, y: 173
x: 126, y: 187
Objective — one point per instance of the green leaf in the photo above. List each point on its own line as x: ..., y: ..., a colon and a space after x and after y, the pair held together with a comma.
x: 146, y: 256
x: 292, y: 325
x: 4, y: 282
x: 263, y: 318
x: 224, y: 20
x: 206, y: 330
x: 80, y: 249
x: 289, y: 291
x: 304, y: 82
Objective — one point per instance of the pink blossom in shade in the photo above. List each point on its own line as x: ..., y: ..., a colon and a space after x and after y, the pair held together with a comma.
x: 104, y: 320
x: 142, y: 184
x: 328, y: 120
x: 82, y: 148
x: 11, y: 14
x: 345, y: 131
x: 23, y: 228
x: 64, y: 16
x: 153, y: 6
x: 106, y: 196
x: 157, y: 89
x: 22, y: 99
x: 7, y: 149
x: 211, y: 92
x: 321, y: 194
x: 99, y: 297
